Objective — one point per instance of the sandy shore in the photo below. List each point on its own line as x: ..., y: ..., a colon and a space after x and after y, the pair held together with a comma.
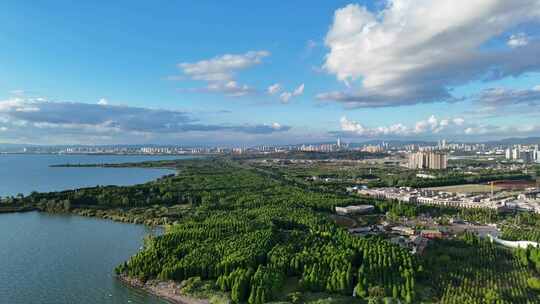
x: 168, y: 290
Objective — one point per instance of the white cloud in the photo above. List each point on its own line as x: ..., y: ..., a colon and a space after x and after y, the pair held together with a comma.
x: 274, y: 89
x: 277, y: 126
x: 432, y: 125
x: 458, y: 121
x: 299, y: 90
x: 103, y: 102
x: 219, y: 72
x: 359, y: 129
x: 222, y: 68
x: 517, y: 40
x: 18, y: 105
x: 436, y: 127
x: 230, y: 88
x: 285, y: 97
x: 414, y: 51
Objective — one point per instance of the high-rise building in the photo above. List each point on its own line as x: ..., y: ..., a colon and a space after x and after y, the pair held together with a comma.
x: 442, y: 144
x: 508, y: 154
x: 515, y: 153
x: 526, y: 156
x: 428, y: 160
x: 339, y: 142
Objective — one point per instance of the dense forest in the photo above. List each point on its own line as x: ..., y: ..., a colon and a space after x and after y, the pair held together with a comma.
x: 252, y: 234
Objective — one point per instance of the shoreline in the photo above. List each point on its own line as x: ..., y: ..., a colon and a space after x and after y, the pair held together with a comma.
x: 16, y: 209
x: 168, y: 290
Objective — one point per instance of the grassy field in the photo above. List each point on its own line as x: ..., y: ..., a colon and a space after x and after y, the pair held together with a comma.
x: 476, y: 188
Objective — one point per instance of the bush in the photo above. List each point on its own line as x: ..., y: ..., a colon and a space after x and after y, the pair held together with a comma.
x: 534, y: 283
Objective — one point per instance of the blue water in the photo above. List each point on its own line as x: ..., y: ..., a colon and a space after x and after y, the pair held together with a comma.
x: 24, y: 173
x: 66, y: 259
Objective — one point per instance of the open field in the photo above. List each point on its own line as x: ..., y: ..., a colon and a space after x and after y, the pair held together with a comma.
x: 469, y: 188
x: 514, y: 185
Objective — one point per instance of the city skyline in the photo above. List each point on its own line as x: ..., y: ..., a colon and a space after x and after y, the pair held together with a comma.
x: 251, y: 74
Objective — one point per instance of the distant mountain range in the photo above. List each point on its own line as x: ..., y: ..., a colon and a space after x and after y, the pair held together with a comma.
x: 517, y: 140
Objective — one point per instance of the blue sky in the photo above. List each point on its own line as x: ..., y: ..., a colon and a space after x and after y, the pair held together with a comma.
x: 362, y: 70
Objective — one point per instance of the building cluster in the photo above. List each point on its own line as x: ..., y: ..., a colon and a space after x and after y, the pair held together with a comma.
x: 338, y: 146
x: 428, y: 160
x: 523, y: 153
x: 528, y: 200
x: 444, y: 145
x: 318, y: 148
x: 373, y: 148
x: 150, y: 150
x: 414, y: 240
x: 406, y: 237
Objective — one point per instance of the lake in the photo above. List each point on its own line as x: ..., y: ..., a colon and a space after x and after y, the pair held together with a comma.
x: 66, y: 259
x: 24, y: 173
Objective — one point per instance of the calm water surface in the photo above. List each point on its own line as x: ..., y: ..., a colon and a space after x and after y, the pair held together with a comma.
x: 66, y: 259
x: 63, y: 259
x: 24, y: 173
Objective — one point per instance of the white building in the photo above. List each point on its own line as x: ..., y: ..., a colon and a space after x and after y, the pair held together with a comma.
x: 358, y: 209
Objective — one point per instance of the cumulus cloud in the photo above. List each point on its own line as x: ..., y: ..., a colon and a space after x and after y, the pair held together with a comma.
x: 358, y: 129
x: 517, y: 40
x: 219, y: 72
x: 432, y: 125
x: 285, y: 97
x: 416, y: 51
x: 103, y: 101
x: 27, y: 118
x: 497, y: 131
x: 274, y: 89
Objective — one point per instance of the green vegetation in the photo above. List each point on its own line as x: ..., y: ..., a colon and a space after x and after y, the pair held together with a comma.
x: 252, y: 239
x: 334, y: 176
x: 521, y: 234
x: 446, y: 180
x: 522, y: 227
x: 248, y: 232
